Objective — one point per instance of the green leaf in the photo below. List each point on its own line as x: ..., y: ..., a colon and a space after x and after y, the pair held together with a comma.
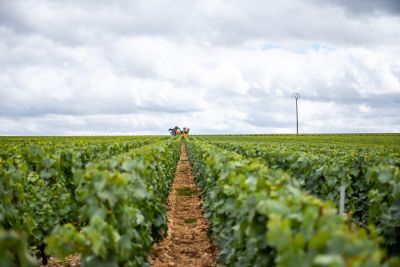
x: 329, y: 260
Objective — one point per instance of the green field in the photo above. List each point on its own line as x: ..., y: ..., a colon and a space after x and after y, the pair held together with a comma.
x: 271, y: 200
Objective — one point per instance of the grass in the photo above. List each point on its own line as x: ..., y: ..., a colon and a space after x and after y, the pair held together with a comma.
x: 185, y: 191
x: 190, y: 220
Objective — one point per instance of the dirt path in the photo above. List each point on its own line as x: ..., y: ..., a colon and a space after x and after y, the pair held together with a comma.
x: 187, y: 243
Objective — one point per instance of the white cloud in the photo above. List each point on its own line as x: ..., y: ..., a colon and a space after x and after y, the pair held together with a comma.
x: 99, y: 67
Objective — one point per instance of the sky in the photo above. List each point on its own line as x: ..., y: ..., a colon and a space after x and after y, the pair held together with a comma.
x: 100, y: 67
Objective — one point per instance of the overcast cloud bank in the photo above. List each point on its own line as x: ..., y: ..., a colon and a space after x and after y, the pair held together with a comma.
x: 141, y: 67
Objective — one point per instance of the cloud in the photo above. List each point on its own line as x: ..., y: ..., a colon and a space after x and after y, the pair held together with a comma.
x: 369, y: 6
x: 100, y: 67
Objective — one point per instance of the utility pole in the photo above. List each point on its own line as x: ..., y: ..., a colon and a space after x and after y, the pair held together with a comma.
x: 296, y: 96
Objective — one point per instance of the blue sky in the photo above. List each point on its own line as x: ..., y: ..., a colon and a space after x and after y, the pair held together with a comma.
x: 141, y: 67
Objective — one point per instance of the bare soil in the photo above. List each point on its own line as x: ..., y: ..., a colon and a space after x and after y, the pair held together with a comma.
x: 187, y: 242
x: 70, y: 261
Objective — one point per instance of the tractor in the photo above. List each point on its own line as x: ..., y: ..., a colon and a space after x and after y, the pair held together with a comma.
x: 177, y: 131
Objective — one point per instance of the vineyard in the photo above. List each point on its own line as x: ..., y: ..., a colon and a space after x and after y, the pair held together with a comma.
x: 268, y: 200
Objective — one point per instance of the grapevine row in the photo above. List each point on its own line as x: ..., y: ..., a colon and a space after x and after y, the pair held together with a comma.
x: 123, y: 204
x: 372, y: 185
x: 38, y: 187
x: 260, y: 217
